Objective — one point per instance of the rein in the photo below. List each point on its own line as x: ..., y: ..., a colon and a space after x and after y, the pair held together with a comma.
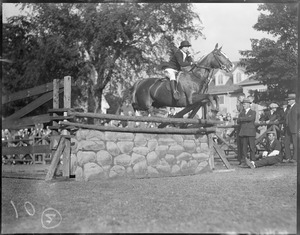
x: 221, y: 66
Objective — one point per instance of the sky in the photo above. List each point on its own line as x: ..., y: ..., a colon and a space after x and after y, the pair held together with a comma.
x: 228, y: 24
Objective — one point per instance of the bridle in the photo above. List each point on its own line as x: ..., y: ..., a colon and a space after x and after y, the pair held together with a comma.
x: 221, y: 65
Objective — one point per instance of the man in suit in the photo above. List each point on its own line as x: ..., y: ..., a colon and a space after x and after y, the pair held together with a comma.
x: 291, y: 130
x: 181, y: 58
x: 273, y: 115
x: 239, y: 108
x: 271, y: 156
x: 247, y: 131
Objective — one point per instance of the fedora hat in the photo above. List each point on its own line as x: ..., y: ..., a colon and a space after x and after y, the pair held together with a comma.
x: 246, y: 100
x: 184, y: 44
x: 291, y: 97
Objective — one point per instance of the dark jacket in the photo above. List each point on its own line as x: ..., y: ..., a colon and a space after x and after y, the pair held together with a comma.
x: 246, y: 121
x: 176, y: 61
x: 291, y: 119
x: 276, y: 145
x: 276, y: 116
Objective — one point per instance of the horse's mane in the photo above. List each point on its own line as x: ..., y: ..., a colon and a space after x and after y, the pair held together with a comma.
x: 202, y: 58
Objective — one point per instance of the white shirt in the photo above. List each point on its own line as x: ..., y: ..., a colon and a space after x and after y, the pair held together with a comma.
x: 184, y: 55
x: 246, y: 110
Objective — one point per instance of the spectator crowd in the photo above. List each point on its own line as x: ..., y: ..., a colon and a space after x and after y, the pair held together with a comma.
x: 22, y: 137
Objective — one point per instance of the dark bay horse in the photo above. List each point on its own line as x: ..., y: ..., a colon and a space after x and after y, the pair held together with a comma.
x: 192, y: 85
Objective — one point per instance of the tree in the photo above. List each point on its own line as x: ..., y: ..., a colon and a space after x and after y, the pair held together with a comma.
x: 111, y: 43
x: 274, y: 62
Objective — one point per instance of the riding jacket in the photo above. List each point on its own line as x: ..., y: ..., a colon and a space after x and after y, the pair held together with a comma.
x: 177, y: 61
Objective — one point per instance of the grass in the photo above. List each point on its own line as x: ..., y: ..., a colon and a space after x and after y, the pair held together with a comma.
x: 262, y: 201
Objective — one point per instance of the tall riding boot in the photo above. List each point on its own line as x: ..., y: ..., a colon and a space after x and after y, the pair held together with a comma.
x: 176, y: 95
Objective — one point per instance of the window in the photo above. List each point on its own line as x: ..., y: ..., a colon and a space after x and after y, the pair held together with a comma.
x: 238, y: 77
x: 220, y: 79
x: 221, y: 99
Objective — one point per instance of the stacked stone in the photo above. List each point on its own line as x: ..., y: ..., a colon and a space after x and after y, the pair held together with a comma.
x: 102, y: 155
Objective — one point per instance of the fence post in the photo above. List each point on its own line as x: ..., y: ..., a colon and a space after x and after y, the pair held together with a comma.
x: 55, y: 101
x: 67, y: 150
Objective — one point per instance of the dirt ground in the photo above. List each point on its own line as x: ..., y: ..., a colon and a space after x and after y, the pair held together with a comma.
x: 259, y: 201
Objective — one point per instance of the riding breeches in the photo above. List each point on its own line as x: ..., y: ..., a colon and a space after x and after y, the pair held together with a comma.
x: 171, y: 73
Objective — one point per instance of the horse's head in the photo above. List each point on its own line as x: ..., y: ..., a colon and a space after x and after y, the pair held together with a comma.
x: 216, y: 60
x: 221, y: 60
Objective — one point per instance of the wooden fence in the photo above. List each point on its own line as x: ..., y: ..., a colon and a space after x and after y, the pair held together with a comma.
x: 39, y: 148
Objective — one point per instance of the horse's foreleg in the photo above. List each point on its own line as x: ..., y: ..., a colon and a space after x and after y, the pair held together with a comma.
x: 216, y: 98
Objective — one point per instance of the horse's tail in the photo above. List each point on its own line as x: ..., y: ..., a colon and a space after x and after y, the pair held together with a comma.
x: 132, y: 93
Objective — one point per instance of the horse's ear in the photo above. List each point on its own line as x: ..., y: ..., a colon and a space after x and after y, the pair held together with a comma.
x: 220, y: 48
x: 216, y: 47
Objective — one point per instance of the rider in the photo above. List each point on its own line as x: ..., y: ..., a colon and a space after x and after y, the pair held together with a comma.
x: 181, y: 58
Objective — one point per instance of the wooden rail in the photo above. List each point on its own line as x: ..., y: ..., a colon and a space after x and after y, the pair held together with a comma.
x: 256, y: 124
x: 29, y: 92
x: 31, y: 149
x: 144, y: 119
x: 141, y: 130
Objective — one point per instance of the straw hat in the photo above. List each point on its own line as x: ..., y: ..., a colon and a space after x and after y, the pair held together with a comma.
x: 273, y: 105
x: 291, y: 97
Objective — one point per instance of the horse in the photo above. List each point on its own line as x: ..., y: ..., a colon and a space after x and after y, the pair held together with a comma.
x: 192, y: 85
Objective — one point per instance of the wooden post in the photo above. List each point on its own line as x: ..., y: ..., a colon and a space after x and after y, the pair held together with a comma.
x: 211, y: 152
x: 204, y: 115
x: 67, y: 150
x: 55, y: 102
x: 221, y: 154
x: 55, y: 159
x: 211, y: 159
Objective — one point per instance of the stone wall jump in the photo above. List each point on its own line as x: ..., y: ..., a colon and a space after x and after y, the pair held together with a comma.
x: 100, y: 155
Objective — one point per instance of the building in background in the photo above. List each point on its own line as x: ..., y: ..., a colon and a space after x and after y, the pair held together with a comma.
x: 227, y: 85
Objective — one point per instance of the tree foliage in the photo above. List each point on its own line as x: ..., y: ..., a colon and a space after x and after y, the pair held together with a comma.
x: 274, y: 62
x: 97, y: 44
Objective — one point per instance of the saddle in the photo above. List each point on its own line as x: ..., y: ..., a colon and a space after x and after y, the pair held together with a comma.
x: 165, y: 81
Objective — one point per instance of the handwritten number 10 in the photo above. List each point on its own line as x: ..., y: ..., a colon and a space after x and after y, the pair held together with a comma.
x: 27, y: 206
x: 50, y: 218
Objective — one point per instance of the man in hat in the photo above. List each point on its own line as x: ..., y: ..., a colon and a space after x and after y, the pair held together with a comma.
x: 291, y: 130
x: 271, y: 156
x: 181, y: 58
x: 273, y: 115
x: 247, y: 131
x: 239, y: 108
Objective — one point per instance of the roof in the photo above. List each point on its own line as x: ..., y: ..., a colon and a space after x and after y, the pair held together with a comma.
x: 237, y: 65
x: 229, y: 87
x: 249, y: 81
x: 224, y: 89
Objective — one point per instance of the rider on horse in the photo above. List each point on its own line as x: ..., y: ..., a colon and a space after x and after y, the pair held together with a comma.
x: 181, y: 58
